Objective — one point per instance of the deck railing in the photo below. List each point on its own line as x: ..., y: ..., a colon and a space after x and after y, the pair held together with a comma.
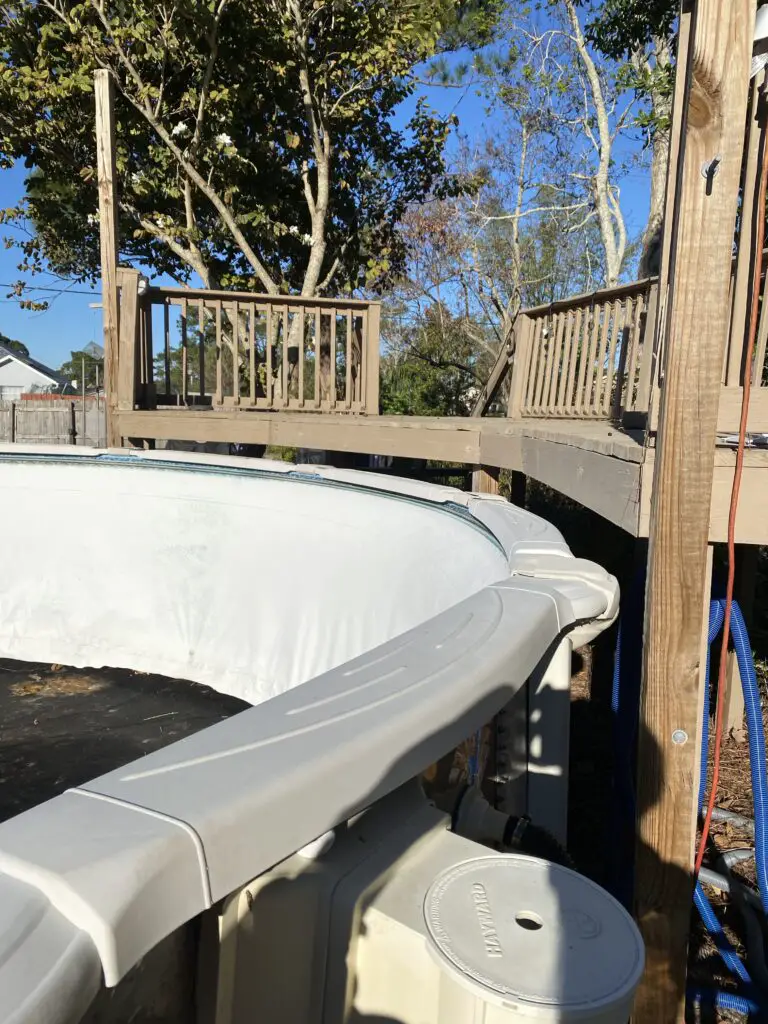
x: 585, y: 357
x: 241, y: 350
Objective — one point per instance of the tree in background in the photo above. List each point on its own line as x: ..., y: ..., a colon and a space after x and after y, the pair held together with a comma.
x: 255, y: 139
x: 541, y: 220
x: 13, y: 345
x: 641, y: 33
x: 85, y: 364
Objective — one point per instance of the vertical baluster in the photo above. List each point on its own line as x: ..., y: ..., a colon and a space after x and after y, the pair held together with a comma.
x: 595, y: 391
x: 553, y: 360
x: 252, y: 350
x: 318, y: 332
x: 610, y: 368
x: 646, y: 348
x: 622, y: 356
x: 632, y: 354
x: 565, y: 362
x: 573, y: 357
x: 150, y: 389
x: 235, y: 316
x: 583, y: 385
x: 269, y: 389
x: 166, y: 347
x: 332, y: 386
x: 546, y: 334
x: 184, y: 386
x: 284, y: 360
x: 532, y: 370
x: 547, y: 340
x: 300, y: 319
x: 364, y: 342
x: 201, y: 345
x: 348, y: 364
x: 219, y: 356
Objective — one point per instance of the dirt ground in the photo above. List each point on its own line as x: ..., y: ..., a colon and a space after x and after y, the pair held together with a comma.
x: 60, y: 727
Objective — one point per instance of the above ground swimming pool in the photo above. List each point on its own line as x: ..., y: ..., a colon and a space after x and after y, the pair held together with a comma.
x: 373, y: 623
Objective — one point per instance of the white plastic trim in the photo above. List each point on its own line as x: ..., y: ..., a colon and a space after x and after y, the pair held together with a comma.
x: 131, y: 856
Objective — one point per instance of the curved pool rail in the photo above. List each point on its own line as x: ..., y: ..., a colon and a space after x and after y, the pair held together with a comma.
x: 103, y: 872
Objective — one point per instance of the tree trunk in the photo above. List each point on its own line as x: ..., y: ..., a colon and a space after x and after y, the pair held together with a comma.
x: 650, y: 260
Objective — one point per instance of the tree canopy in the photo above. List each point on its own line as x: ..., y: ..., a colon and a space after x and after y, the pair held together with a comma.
x: 84, y: 361
x: 619, y: 28
x: 255, y: 137
x: 13, y: 345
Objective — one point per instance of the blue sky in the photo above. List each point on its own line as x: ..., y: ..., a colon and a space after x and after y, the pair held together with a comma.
x: 70, y: 324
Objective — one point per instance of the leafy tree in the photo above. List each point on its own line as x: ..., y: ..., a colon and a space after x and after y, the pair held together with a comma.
x: 13, y: 345
x: 433, y: 367
x: 621, y: 27
x: 255, y: 137
x: 444, y: 326
x: 641, y: 33
x: 85, y: 362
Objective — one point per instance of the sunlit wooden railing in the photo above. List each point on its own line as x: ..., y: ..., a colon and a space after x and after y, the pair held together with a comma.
x: 186, y: 347
x: 586, y: 357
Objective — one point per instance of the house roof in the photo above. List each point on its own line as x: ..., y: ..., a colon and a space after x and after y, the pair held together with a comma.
x: 53, y: 375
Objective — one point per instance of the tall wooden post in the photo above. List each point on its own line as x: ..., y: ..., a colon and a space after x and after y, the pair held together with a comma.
x: 711, y: 145
x: 107, y: 179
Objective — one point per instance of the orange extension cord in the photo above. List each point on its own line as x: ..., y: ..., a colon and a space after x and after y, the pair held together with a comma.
x: 761, y: 212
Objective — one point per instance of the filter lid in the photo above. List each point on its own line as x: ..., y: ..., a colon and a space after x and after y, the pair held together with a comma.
x: 534, y: 935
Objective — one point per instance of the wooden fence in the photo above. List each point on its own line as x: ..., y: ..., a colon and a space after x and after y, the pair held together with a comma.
x: 242, y: 350
x: 586, y: 357
x: 54, y: 421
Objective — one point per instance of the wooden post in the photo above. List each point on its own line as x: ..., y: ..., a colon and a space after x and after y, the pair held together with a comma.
x: 128, y: 375
x: 485, y: 480
x: 742, y: 285
x: 520, y: 370
x: 712, y: 140
x: 678, y: 113
x: 518, y: 486
x: 107, y: 178
x: 372, y: 345
x: 746, y: 580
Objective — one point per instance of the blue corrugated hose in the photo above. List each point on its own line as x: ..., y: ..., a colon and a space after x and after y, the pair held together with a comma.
x: 625, y: 706
x: 716, y: 617
x: 724, y: 1001
x: 729, y: 956
x: 756, y: 746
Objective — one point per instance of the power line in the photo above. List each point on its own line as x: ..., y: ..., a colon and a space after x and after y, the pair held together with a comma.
x: 57, y: 291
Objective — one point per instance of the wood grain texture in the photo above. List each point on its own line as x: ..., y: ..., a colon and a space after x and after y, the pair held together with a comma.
x: 107, y: 182
x: 485, y: 480
x: 128, y: 350
x: 678, y: 113
x: 742, y: 284
x: 717, y: 78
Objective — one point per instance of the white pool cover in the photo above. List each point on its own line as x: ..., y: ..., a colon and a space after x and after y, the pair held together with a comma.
x: 409, y: 614
x: 248, y: 582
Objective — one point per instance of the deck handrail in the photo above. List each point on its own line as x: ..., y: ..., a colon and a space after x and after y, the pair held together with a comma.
x: 597, y: 296
x: 583, y: 357
x: 246, y: 350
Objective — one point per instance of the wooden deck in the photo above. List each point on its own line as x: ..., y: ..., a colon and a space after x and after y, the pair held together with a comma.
x: 580, y: 379
x: 602, y: 466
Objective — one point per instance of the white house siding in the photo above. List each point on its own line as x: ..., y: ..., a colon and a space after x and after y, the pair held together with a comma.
x: 16, y: 378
